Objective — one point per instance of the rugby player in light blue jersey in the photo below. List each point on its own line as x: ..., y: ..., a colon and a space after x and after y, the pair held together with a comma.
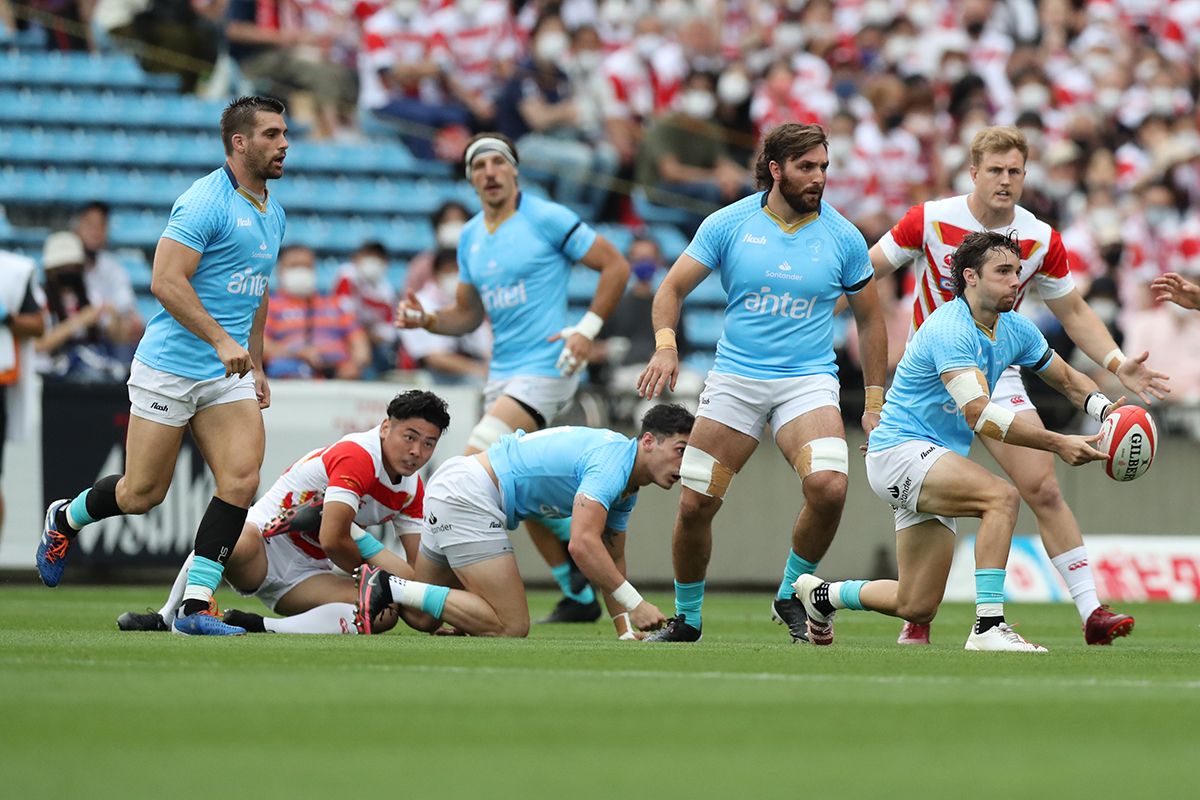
x: 199, y: 363
x: 917, y: 457
x: 515, y: 259
x: 587, y: 474
x: 784, y: 258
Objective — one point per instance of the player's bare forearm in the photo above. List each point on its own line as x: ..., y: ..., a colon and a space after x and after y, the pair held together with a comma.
x: 256, y: 332
x: 1082, y: 325
x: 171, y: 285
x: 1068, y: 381
x: 335, y: 537
x: 464, y: 316
x: 872, y: 334
x: 1020, y: 433
x: 614, y: 275
x: 392, y: 562
x: 587, y: 546
x: 880, y: 262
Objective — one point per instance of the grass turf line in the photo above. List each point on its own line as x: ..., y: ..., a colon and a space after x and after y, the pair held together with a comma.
x: 572, y: 713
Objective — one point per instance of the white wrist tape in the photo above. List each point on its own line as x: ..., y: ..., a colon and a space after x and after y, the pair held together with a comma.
x: 624, y: 626
x: 627, y: 596
x: 994, y: 422
x: 1113, y: 361
x: 1095, y: 404
x: 590, y: 325
x: 967, y: 387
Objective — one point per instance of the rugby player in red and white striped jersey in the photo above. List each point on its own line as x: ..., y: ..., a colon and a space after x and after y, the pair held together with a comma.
x: 927, y: 235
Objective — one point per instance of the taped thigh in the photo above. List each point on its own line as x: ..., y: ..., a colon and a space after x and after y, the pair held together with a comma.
x: 827, y: 453
x: 702, y: 473
x: 487, y: 432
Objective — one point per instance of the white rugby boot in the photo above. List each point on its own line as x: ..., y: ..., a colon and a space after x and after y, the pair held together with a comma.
x: 1001, y: 638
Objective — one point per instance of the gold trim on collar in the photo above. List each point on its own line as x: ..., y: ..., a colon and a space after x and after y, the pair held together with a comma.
x: 988, y: 332
x: 789, y: 229
x: 261, y: 206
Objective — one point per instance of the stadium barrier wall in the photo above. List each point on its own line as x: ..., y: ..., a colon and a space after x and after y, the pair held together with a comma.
x: 751, y: 533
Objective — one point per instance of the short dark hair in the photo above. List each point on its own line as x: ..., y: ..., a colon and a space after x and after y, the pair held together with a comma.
x: 95, y: 205
x: 373, y: 248
x: 790, y: 140
x: 444, y: 209
x: 239, y: 116
x: 667, y: 419
x: 420, y: 404
x: 973, y: 252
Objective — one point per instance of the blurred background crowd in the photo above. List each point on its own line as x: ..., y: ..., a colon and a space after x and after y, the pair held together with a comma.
x: 643, y: 116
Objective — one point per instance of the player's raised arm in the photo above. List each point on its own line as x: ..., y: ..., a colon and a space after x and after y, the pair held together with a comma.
x: 171, y: 285
x: 1087, y: 330
x: 970, y: 391
x: 597, y: 560
x: 684, y: 276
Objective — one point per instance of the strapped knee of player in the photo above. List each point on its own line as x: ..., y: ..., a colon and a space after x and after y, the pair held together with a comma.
x: 827, y: 453
x: 702, y: 473
x: 487, y: 432
x: 994, y: 420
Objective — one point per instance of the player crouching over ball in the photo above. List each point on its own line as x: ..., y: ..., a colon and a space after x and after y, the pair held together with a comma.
x: 917, y: 457
x: 587, y: 474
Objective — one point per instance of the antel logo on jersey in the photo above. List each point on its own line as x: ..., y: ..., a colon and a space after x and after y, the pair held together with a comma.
x: 750, y: 238
x: 780, y: 305
x: 247, y: 282
x: 505, y: 297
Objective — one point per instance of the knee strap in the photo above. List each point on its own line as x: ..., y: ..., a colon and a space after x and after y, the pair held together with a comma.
x: 487, y: 432
x: 702, y: 473
x: 826, y: 453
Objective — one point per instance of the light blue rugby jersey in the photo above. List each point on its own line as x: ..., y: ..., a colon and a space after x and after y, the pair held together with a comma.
x: 781, y: 286
x: 239, y: 243
x: 540, y: 473
x: 919, y: 407
x: 520, y: 272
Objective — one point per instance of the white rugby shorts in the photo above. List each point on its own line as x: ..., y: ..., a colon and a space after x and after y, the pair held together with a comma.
x: 1009, y: 392
x: 897, y: 474
x: 464, y: 515
x: 173, y: 399
x: 747, y: 404
x: 548, y: 396
x: 287, y: 567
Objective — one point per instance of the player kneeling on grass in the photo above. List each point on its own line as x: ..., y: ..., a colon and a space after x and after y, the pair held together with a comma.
x: 312, y: 519
x: 916, y: 458
x: 589, y: 475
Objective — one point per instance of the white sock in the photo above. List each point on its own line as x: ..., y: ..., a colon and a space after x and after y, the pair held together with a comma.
x: 409, y: 594
x: 175, y: 598
x: 329, y: 618
x: 989, y: 610
x: 1076, y: 570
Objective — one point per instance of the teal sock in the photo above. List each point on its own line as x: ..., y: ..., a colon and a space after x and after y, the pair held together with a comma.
x: 688, y: 599
x: 562, y: 575
x: 796, y: 566
x: 850, y: 595
x: 559, y: 527
x: 77, y: 513
x: 989, y: 587
x: 434, y: 600
x: 205, y: 572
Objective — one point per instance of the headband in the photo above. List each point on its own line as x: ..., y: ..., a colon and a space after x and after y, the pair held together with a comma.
x: 488, y: 144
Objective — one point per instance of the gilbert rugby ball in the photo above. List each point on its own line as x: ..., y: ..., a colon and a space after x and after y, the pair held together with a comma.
x: 1130, y: 439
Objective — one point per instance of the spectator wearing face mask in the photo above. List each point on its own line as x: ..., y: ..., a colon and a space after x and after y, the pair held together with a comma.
x: 310, y: 334
x: 685, y: 156
x: 538, y: 109
x: 363, y: 285
x: 449, y: 359
x: 448, y: 221
x: 626, y: 342
x: 78, y: 343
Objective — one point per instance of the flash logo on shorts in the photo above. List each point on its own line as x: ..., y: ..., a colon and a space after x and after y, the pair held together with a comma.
x: 159, y: 407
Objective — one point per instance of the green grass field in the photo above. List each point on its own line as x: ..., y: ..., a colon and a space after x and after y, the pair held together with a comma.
x: 87, y: 712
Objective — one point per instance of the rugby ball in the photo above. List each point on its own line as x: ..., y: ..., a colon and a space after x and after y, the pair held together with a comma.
x: 1130, y: 439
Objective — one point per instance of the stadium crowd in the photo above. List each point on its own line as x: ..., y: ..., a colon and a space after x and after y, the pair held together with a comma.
x: 626, y: 109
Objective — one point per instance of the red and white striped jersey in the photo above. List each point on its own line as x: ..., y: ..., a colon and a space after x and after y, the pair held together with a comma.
x: 932, y: 232
x: 350, y: 471
x: 473, y: 46
x: 388, y: 40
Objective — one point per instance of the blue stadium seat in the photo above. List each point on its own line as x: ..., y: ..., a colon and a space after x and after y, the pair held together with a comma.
x: 581, y: 285
x: 670, y: 240
x: 704, y: 327
x: 709, y: 292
